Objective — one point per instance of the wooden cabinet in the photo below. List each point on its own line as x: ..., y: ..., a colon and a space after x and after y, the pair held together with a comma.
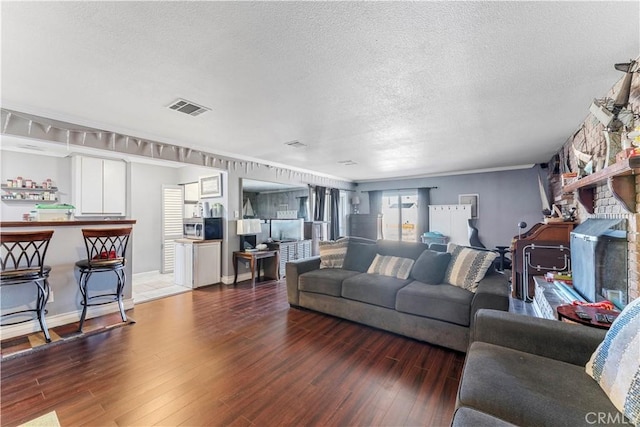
x: 291, y: 251
x: 545, y: 247
x: 100, y: 186
x: 368, y: 226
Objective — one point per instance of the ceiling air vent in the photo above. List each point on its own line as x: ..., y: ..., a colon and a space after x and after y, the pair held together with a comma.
x: 188, y: 107
x: 347, y: 162
x: 296, y: 144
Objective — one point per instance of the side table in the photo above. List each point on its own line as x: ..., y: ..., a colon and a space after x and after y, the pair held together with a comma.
x: 255, y: 259
x: 568, y: 312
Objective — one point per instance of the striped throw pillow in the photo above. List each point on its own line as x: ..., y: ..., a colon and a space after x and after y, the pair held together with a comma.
x: 332, y: 253
x: 467, y: 266
x: 392, y: 266
x: 615, y: 364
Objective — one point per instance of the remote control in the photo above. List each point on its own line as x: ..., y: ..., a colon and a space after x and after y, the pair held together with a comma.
x: 602, y: 318
x: 583, y: 315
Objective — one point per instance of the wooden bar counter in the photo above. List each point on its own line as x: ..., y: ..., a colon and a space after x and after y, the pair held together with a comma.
x: 65, y: 249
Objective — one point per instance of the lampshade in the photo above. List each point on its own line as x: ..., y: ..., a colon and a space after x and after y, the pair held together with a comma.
x: 248, y: 226
x: 355, y: 200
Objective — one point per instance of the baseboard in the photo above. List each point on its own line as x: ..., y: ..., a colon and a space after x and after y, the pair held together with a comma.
x: 228, y: 280
x: 20, y: 329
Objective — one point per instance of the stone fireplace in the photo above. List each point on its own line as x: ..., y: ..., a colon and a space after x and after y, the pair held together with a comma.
x: 589, y: 138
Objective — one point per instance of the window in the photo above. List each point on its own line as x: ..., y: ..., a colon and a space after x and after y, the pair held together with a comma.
x: 400, y: 215
x: 343, y: 210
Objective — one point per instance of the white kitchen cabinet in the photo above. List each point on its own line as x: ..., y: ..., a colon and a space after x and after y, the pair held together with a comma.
x: 114, y: 187
x: 197, y: 262
x: 100, y: 186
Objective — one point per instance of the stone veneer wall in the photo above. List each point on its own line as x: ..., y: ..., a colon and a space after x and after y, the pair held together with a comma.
x: 589, y: 139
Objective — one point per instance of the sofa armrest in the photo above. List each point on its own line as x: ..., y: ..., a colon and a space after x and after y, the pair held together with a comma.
x: 492, y: 293
x: 557, y: 340
x: 293, y: 271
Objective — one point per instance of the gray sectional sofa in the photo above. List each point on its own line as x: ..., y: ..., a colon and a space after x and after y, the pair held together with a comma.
x: 421, y: 306
x: 527, y: 371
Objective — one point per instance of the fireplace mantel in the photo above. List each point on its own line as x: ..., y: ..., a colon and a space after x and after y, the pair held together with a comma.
x: 621, y: 179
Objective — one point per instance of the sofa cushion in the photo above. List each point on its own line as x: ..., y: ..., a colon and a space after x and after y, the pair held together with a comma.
x: 326, y: 281
x: 443, y: 302
x: 468, y: 266
x: 332, y: 253
x: 401, y: 249
x: 526, y: 389
x: 373, y: 289
x: 431, y: 266
x: 465, y: 417
x: 615, y: 364
x: 391, y: 266
x: 359, y: 255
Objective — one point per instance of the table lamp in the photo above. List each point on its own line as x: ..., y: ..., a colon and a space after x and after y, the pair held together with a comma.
x: 355, y: 201
x: 245, y: 228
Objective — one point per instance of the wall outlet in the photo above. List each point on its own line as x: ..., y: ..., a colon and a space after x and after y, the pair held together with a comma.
x: 50, y: 295
x: 236, y: 214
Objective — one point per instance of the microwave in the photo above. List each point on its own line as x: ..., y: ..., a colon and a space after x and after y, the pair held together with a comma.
x: 202, y: 228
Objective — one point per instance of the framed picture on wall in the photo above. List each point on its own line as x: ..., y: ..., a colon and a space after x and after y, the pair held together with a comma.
x: 211, y: 186
x: 470, y: 199
x: 191, y: 194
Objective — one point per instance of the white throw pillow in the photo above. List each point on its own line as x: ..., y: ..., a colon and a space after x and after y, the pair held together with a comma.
x: 615, y: 364
x: 392, y: 266
x: 467, y: 266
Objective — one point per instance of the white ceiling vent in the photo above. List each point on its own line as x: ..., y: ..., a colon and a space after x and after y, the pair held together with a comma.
x: 347, y: 162
x: 30, y: 147
x: 296, y: 144
x: 188, y: 107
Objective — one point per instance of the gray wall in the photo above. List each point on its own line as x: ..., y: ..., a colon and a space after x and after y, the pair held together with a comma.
x: 506, y: 198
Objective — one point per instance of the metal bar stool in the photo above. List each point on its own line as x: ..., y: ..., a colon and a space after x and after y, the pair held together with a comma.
x: 22, y: 263
x: 106, y: 250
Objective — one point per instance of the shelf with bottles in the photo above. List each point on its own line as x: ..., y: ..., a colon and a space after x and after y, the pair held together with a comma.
x: 24, y: 194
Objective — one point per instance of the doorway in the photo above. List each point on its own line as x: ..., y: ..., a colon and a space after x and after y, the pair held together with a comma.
x: 157, y: 284
x: 400, y: 215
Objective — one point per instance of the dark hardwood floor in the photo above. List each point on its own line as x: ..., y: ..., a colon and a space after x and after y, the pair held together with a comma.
x: 234, y: 356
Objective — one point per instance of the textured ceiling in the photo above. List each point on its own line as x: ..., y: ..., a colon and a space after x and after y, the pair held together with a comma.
x: 399, y: 88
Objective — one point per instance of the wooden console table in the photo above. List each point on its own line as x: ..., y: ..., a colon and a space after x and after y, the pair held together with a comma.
x: 255, y: 260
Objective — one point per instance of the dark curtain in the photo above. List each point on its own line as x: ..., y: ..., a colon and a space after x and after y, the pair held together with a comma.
x: 334, y: 230
x: 375, y: 202
x: 319, y: 198
x: 423, y: 211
